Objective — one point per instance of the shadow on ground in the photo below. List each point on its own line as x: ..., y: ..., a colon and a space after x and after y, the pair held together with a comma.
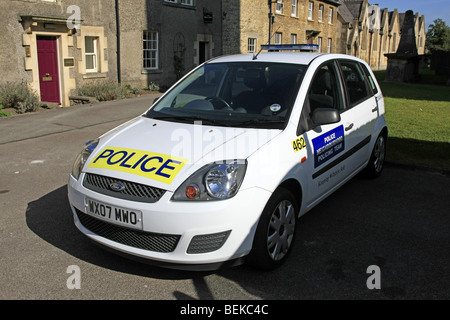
x: 396, y: 222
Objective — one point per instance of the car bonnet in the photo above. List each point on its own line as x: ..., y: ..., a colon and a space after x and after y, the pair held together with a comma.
x: 164, y: 154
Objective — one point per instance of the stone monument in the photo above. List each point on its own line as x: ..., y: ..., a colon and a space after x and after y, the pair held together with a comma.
x: 403, y: 66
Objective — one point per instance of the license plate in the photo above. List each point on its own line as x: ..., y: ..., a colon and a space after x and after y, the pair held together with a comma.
x: 122, y: 216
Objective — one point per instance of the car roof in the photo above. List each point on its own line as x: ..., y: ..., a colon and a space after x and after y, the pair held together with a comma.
x: 286, y: 57
x: 304, y: 58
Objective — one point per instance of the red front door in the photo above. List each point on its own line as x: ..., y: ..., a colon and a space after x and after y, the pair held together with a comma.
x: 48, y: 69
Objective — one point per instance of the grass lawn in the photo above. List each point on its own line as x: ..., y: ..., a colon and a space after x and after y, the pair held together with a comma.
x: 418, y: 117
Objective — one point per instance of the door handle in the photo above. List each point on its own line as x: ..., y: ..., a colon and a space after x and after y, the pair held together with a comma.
x: 375, y: 109
x: 349, y: 127
x: 47, y: 77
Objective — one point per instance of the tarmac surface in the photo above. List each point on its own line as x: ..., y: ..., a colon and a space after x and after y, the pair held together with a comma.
x: 399, y: 223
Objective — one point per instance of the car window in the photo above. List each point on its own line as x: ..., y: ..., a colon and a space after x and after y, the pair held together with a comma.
x: 249, y: 94
x: 371, y: 80
x: 324, y: 92
x: 355, y: 82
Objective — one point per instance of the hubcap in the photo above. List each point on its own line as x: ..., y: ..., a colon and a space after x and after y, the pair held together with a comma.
x: 379, y: 154
x: 281, y: 230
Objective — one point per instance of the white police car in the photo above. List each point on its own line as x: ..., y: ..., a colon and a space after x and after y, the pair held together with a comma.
x: 222, y: 165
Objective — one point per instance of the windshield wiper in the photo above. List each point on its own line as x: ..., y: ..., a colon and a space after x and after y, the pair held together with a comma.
x: 179, y: 118
x: 257, y: 122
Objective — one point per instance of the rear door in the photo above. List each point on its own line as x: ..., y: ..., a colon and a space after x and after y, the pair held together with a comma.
x: 361, y: 111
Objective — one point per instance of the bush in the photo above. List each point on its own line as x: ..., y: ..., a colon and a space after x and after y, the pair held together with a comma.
x: 103, y: 90
x: 153, y: 86
x: 19, y: 96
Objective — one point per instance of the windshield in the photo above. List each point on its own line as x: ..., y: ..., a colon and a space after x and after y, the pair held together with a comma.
x: 248, y: 94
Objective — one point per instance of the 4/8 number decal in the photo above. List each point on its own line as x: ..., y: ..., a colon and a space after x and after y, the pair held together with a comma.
x: 298, y: 144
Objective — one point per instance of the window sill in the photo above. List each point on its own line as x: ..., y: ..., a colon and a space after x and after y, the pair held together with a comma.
x: 179, y: 5
x: 151, y: 71
x: 94, y: 75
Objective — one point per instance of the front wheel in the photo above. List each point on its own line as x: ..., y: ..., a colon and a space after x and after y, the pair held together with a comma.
x: 377, y: 158
x: 275, y: 233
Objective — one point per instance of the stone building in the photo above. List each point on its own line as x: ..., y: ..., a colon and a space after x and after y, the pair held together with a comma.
x: 369, y: 32
x: 291, y: 22
x: 161, y: 40
x: 57, y: 46
x: 54, y: 48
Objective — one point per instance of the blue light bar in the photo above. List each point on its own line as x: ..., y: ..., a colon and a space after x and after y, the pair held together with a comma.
x: 290, y: 47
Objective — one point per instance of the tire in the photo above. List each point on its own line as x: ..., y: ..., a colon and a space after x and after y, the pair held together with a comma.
x: 275, y: 233
x: 377, y: 158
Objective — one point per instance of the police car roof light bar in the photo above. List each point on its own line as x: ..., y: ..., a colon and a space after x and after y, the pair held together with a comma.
x: 290, y: 47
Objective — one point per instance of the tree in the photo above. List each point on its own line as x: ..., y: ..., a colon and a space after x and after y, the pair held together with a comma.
x: 438, y: 36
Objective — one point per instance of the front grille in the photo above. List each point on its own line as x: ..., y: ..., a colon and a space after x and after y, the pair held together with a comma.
x: 132, y: 191
x: 134, y: 238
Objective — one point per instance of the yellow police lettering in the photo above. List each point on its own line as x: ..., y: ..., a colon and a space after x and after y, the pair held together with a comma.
x: 152, y: 165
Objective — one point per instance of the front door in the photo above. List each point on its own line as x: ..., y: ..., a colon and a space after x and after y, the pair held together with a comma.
x: 203, y: 51
x: 48, y: 69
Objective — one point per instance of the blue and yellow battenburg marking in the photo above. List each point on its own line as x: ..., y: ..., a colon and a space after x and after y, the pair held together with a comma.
x: 152, y: 165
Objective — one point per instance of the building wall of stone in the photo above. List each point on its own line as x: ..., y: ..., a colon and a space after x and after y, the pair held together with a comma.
x: 250, y: 20
x: 24, y: 20
x: 182, y: 35
x: 181, y: 31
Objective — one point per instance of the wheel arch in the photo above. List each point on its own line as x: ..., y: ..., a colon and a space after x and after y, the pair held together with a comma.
x: 295, y: 188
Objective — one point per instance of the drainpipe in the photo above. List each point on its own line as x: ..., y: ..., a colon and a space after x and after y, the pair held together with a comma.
x: 119, y: 76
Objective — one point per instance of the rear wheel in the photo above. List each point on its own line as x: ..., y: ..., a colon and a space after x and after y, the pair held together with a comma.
x: 275, y: 233
x: 376, y: 162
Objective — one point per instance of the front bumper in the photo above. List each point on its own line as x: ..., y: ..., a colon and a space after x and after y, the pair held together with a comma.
x: 190, y: 235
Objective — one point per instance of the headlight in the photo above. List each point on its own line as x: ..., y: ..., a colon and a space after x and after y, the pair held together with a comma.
x: 82, y: 158
x: 215, y: 181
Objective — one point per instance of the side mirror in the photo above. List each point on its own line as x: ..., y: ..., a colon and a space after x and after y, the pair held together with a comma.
x: 325, y: 116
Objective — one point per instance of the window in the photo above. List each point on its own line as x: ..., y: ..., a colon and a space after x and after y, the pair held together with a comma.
x: 294, y: 8
x: 150, y: 46
x: 261, y: 95
x: 251, y: 45
x: 310, y: 10
x: 329, y: 45
x: 293, y: 38
x: 279, y: 7
x: 324, y: 92
x: 355, y: 82
x: 330, y: 16
x: 319, y: 42
x: 278, y: 36
x: 371, y: 81
x: 91, y: 56
x: 172, y: 1
x: 321, y: 12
